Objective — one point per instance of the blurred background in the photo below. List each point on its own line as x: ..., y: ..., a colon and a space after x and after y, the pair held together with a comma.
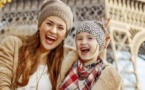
x: 126, y: 50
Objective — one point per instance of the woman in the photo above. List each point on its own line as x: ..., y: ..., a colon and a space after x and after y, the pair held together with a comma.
x: 33, y: 63
x: 86, y: 70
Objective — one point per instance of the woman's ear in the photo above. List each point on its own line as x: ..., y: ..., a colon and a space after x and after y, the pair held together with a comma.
x: 107, y: 41
x: 67, y: 33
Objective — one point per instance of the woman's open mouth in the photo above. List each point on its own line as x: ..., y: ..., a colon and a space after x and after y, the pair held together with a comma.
x: 50, y: 39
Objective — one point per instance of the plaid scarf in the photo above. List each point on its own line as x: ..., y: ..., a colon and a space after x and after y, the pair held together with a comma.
x: 79, y: 73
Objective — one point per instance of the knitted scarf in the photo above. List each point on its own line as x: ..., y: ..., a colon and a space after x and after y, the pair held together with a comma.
x: 78, y: 72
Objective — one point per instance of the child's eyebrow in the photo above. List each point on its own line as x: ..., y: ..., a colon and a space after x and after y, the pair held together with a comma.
x: 78, y: 36
x: 89, y: 35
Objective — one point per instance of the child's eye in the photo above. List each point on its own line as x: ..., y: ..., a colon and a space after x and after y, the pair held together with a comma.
x: 60, y: 28
x: 79, y: 39
x: 90, y: 38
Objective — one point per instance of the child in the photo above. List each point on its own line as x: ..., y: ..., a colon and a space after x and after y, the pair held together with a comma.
x: 89, y: 71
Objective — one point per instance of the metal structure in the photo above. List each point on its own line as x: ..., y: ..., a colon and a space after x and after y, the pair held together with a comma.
x: 127, y: 28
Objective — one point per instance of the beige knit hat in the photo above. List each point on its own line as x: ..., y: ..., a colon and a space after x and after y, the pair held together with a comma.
x: 56, y: 8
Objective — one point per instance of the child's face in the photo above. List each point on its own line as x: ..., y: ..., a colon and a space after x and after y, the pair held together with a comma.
x: 86, y: 45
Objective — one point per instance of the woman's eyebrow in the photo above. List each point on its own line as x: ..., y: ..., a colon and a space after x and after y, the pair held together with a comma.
x: 50, y: 21
x: 55, y: 22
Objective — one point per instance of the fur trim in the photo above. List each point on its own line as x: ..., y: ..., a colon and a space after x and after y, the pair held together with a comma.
x: 70, y: 57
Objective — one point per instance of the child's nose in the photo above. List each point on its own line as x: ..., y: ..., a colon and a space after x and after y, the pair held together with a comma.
x: 84, y: 41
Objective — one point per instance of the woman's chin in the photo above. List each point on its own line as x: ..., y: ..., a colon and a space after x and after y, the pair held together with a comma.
x: 47, y: 48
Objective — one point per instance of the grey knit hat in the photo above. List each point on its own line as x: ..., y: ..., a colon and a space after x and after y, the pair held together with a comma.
x: 56, y: 8
x: 94, y: 28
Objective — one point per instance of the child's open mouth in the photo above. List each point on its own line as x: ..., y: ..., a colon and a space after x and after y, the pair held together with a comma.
x: 50, y: 39
x: 84, y: 50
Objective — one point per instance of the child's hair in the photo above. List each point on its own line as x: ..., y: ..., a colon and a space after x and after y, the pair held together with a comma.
x: 94, y: 28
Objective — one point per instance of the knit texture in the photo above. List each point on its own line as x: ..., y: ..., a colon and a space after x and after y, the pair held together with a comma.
x: 56, y: 8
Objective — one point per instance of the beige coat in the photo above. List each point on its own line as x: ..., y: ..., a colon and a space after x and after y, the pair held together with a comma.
x: 9, y: 48
x: 8, y: 61
x: 108, y: 80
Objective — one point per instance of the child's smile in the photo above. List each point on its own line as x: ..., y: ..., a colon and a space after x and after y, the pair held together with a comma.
x: 84, y: 50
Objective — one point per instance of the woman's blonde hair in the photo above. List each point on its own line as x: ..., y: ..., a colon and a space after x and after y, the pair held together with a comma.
x: 28, y: 60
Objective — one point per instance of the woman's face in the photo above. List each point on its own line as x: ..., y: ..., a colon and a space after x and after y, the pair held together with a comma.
x: 86, y: 45
x: 52, y: 32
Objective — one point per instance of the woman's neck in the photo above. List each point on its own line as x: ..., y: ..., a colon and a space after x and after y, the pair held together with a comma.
x: 43, y: 57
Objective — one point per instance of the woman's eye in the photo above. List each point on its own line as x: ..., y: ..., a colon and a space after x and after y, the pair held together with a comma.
x: 48, y: 23
x: 60, y: 28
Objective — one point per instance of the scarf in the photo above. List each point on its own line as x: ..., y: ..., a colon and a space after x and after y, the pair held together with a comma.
x: 79, y: 73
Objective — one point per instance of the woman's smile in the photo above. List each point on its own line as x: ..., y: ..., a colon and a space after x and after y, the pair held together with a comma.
x: 50, y: 39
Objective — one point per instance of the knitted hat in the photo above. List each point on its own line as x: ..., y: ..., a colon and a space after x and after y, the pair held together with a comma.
x: 94, y: 28
x: 56, y: 8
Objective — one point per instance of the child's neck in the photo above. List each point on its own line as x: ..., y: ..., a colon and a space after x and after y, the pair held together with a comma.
x: 88, y: 62
x: 92, y: 59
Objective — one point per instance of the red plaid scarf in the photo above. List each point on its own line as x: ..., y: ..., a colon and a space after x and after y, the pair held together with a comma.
x: 78, y: 72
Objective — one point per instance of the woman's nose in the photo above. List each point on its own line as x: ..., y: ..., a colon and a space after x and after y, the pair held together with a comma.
x: 54, y: 30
